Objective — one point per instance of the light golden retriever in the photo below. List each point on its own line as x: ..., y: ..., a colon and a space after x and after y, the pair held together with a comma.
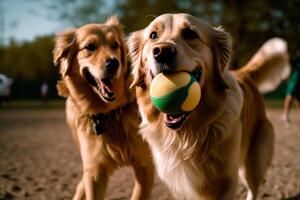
x: 100, y: 109
x: 199, y: 154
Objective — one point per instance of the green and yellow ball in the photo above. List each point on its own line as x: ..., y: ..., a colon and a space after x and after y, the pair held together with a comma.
x: 175, y: 93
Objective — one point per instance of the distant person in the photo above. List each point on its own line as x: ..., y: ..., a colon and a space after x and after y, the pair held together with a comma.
x: 45, y: 91
x: 293, y: 89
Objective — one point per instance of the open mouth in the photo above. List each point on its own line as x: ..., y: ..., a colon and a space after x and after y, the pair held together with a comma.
x: 104, y: 86
x: 106, y: 89
x: 175, y: 121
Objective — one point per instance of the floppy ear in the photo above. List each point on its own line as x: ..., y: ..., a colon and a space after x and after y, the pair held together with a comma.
x: 134, y: 47
x: 115, y: 23
x: 64, y: 50
x: 222, y: 49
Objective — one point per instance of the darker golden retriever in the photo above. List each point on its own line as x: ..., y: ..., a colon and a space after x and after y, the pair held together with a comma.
x: 100, y: 109
x: 199, y: 154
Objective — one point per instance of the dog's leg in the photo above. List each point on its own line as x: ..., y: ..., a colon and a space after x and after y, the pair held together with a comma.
x: 95, y: 182
x: 79, y: 194
x: 144, y: 178
x: 259, y: 157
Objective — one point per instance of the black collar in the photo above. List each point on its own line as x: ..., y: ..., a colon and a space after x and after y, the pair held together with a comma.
x: 99, y: 121
x: 96, y: 124
x: 107, y: 122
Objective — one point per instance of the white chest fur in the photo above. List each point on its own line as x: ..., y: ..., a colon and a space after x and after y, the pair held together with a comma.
x: 181, y: 176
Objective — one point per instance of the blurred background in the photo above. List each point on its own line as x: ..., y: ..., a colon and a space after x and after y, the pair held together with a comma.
x: 27, y: 29
x: 38, y: 159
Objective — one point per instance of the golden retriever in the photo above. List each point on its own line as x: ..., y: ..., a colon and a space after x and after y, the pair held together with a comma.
x: 100, y: 109
x: 200, y: 154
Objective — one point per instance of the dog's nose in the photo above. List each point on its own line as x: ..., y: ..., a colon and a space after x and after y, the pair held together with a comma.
x: 164, y: 53
x: 112, y: 65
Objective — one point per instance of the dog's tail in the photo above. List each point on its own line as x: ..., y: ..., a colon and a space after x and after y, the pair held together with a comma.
x: 269, y: 66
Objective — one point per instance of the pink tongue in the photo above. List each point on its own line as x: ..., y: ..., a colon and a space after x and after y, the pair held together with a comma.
x: 173, y: 118
x: 109, y: 87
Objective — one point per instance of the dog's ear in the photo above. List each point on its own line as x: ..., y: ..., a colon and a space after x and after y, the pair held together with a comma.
x: 134, y: 43
x: 222, y: 49
x: 64, y: 50
x: 115, y: 23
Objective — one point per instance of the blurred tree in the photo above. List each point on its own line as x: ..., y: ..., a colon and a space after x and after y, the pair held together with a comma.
x: 284, y: 17
x: 135, y: 15
x: 30, y: 60
x: 79, y: 12
x: 249, y: 22
x: 245, y: 21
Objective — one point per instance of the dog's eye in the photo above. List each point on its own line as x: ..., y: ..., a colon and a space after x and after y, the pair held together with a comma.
x: 90, y: 47
x: 153, y: 35
x: 115, y: 45
x: 189, y: 34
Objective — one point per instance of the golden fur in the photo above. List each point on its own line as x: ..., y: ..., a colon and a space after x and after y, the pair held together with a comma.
x: 87, y: 50
x: 227, y: 133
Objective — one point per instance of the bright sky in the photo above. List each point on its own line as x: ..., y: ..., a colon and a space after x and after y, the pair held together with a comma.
x: 26, y: 19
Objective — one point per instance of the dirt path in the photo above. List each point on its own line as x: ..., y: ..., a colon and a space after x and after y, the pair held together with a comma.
x: 39, y: 161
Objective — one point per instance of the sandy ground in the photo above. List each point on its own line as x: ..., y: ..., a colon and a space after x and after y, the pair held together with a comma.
x: 39, y: 161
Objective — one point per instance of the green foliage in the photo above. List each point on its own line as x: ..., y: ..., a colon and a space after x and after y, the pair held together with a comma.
x: 249, y: 22
x: 30, y: 60
x: 79, y: 12
x: 136, y: 15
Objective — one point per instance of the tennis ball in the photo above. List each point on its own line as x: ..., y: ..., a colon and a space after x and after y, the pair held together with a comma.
x: 175, y: 93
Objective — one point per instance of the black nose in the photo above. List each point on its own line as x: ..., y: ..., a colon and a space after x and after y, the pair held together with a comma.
x: 164, y: 53
x: 112, y: 66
